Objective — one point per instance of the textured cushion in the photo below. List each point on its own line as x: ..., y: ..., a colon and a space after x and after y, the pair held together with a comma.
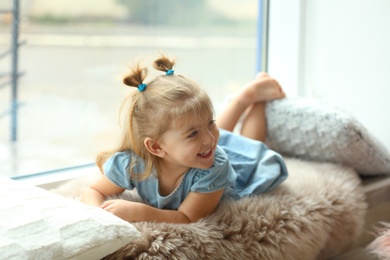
x: 315, y: 130
x: 38, y: 224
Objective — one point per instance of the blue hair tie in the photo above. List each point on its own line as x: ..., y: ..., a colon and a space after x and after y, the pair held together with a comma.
x: 170, y: 72
x: 141, y: 87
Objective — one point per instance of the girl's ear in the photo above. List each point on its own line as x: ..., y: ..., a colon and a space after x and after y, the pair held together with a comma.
x: 153, y: 147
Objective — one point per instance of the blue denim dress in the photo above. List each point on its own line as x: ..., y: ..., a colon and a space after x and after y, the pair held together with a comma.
x: 242, y: 167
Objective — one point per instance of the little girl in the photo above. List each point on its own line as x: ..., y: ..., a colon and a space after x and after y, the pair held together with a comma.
x: 177, y: 158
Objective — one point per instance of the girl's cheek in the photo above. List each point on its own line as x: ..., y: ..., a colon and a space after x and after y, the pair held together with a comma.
x: 216, y: 135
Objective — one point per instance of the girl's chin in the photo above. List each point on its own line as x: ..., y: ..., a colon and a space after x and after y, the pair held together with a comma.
x: 207, y: 164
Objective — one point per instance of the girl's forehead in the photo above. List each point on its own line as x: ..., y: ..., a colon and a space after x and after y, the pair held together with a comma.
x: 190, y: 121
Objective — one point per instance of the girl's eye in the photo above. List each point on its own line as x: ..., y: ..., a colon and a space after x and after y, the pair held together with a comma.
x: 212, y: 122
x: 193, y: 134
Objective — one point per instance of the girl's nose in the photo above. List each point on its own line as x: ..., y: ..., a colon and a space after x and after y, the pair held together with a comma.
x: 208, y: 138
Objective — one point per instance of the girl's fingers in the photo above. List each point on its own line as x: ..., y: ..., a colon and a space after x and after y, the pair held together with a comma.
x: 106, y: 204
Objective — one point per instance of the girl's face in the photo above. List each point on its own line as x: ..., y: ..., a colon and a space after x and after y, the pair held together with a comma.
x: 191, y: 143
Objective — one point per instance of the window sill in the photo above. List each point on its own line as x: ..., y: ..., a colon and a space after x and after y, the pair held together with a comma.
x: 52, y: 179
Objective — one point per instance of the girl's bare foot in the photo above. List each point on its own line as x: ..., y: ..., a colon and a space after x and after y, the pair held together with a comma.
x: 262, y: 89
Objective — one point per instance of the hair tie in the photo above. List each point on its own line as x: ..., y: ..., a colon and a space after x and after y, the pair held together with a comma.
x: 170, y: 72
x: 141, y: 87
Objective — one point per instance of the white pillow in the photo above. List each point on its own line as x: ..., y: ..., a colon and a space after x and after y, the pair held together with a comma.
x: 315, y: 130
x: 38, y: 224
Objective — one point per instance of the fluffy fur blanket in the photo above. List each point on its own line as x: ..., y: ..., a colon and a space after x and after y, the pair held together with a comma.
x: 380, y: 247
x: 317, y: 213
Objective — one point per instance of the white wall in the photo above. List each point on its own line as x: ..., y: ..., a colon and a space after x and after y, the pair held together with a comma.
x: 343, y: 55
x: 283, y: 43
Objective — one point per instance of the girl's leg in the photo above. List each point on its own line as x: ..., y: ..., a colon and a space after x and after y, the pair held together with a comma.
x: 229, y: 117
x: 254, y: 124
x: 251, y: 99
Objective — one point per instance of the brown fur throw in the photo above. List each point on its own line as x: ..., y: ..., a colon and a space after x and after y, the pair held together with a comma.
x: 380, y: 247
x: 317, y: 213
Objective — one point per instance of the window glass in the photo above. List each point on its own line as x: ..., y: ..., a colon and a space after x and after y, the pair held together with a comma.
x: 76, y: 52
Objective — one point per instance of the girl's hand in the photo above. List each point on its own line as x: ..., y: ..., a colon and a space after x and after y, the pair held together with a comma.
x: 126, y: 210
x: 194, y: 207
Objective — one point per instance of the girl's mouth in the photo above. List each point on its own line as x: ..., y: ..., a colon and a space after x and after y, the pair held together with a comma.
x: 206, y: 154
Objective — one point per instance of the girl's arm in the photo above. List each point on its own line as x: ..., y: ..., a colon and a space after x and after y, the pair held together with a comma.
x: 97, y: 193
x: 198, y: 205
x: 194, y: 207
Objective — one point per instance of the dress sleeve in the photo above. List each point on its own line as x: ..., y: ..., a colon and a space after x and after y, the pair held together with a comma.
x: 117, y: 170
x: 221, y: 175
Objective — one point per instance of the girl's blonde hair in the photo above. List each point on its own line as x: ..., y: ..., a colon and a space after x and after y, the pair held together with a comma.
x: 152, y: 111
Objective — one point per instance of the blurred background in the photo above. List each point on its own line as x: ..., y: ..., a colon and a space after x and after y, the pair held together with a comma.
x: 76, y: 52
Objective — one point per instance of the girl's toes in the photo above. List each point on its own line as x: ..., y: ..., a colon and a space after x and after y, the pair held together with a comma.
x: 261, y: 75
